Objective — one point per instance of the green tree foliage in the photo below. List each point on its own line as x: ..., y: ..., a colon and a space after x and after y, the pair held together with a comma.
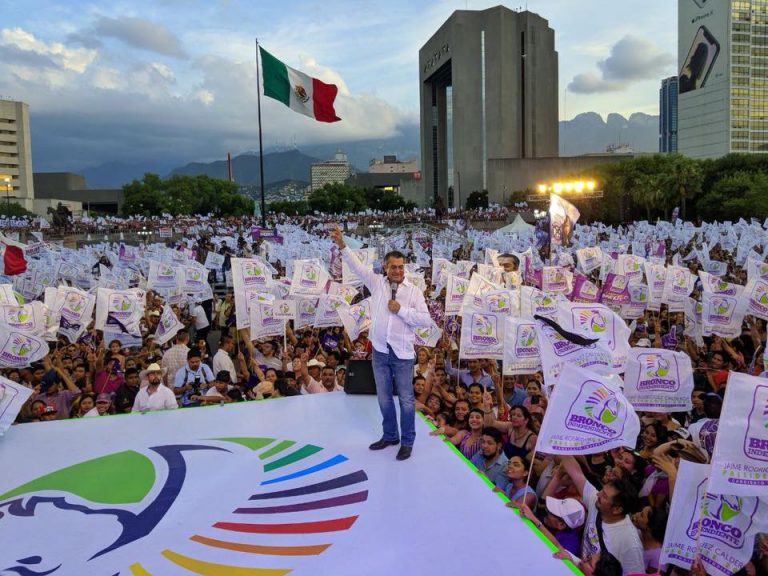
x: 184, y: 195
x: 14, y: 210
x: 737, y: 195
x: 300, y: 207
x: 337, y: 199
x: 477, y: 200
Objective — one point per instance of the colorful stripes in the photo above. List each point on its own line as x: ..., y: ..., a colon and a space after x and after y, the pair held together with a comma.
x: 300, y: 454
x: 258, y: 549
x: 316, y: 527
x: 304, y: 506
x: 284, y: 445
x: 211, y: 569
x: 340, y: 482
x: 338, y: 459
x: 138, y: 570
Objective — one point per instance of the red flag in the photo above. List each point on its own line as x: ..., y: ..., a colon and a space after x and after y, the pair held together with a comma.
x: 12, y: 257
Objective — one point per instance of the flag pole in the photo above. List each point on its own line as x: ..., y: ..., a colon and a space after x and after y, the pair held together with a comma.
x: 261, y: 149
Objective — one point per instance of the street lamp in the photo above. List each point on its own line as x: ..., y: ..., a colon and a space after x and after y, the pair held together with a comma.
x: 7, y: 181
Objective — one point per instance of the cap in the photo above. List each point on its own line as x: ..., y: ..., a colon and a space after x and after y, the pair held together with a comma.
x: 569, y: 509
x: 49, y: 410
x: 224, y: 376
x: 643, y: 343
x: 315, y: 363
x: 104, y: 397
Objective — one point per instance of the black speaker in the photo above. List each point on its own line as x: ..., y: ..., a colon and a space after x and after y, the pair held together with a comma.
x: 359, y: 378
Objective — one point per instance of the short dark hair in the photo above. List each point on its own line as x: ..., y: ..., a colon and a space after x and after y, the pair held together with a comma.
x: 393, y: 254
x: 626, y: 495
x: 328, y: 368
x: 494, y: 433
x: 194, y: 353
x: 225, y: 340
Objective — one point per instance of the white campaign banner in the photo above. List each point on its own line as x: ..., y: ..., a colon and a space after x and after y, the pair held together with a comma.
x: 638, y: 302
x: 631, y: 266
x: 194, y: 279
x: 120, y: 310
x: 309, y: 278
x: 248, y: 275
x: 306, y: 308
x: 589, y: 258
x: 76, y: 310
x: 740, y: 457
x: 554, y: 279
x: 720, y: 529
x: 722, y: 315
x: 482, y: 334
x: 477, y: 291
x: 656, y: 276
x: 18, y: 350
x: 356, y: 318
x: 214, y: 261
x: 366, y: 256
x: 456, y: 289
x: 491, y: 273
x: 756, y: 295
x: 428, y: 335
x: 7, y: 296
x: 557, y: 351
x: 521, y: 347
x: 344, y: 291
x: 659, y: 380
x: 161, y: 275
x: 12, y: 398
x: 534, y: 302
x: 284, y: 309
x: 441, y: 269
x: 168, y: 326
x: 597, y: 321
x: 263, y: 321
x: 586, y: 414
x: 327, y: 313
x: 27, y: 318
x: 563, y: 217
x: 678, y: 284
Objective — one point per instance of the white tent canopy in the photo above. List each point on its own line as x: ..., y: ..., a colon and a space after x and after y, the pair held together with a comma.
x: 519, y: 225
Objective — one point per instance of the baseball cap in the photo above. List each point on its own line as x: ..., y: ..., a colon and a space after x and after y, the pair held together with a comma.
x: 569, y: 509
x: 643, y: 343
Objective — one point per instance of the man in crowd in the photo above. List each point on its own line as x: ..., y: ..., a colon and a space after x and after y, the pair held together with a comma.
x: 154, y: 396
x: 126, y: 394
x: 176, y: 358
x: 491, y: 461
x: 222, y: 360
x: 192, y: 379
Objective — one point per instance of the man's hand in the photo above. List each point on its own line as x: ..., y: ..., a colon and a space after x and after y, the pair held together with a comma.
x: 394, y: 306
x: 336, y: 236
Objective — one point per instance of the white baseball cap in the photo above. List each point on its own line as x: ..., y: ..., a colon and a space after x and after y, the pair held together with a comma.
x: 643, y: 343
x: 569, y: 509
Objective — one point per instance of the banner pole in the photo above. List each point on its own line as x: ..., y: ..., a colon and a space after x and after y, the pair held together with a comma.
x: 261, y: 149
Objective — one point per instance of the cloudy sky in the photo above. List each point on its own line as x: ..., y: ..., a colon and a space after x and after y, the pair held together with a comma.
x: 174, y: 80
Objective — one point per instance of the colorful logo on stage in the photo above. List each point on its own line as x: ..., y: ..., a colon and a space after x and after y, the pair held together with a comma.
x: 659, y: 374
x: 142, y: 515
x: 723, y: 518
x: 597, y: 411
x: 484, y: 331
x: 526, y: 344
x: 756, y: 437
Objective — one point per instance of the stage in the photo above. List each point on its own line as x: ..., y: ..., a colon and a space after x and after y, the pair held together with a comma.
x: 251, y: 489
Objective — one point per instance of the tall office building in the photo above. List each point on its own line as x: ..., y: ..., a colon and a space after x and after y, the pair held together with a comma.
x: 668, y: 115
x: 723, y: 83
x: 330, y: 172
x: 15, y: 154
x: 489, y: 90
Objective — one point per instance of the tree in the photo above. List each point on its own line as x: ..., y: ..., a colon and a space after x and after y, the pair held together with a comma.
x: 684, y: 180
x: 477, y: 200
x: 288, y: 207
x: 337, y: 198
x: 14, y: 210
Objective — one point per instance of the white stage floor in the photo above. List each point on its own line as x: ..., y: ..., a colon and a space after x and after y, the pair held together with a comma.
x: 253, y: 489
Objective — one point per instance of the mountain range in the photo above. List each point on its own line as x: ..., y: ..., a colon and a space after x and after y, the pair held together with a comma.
x: 584, y: 134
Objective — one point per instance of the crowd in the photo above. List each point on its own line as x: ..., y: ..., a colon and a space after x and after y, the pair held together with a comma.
x: 606, y: 511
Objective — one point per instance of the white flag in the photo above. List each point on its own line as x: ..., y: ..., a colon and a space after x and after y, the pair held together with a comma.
x: 678, y: 284
x: 194, y: 279
x: 263, y: 321
x: 521, y: 347
x: 563, y: 217
x: 12, y: 398
x: 120, y: 310
x: 18, y: 350
x: 589, y: 258
x: 427, y: 335
x: 719, y: 528
x: 284, y: 309
x: 214, y: 261
x: 656, y: 275
x: 309, y: 278
x: 168, y: 326
x: 631, y: 266
x: 554, y: 279
x: 356, y: 318
x: 327, y: 314
x: 366, y: 256
x: 306, y: 308
x: 557, y: 351
x: 456, y: 289
x: 756, y: 295
x: 27, y: 318
x: 658, y: 380
x: 740, y: 457
x: 161, y: 275
x: 586, y: 414
x: 597, y: 321
x: 534, y: 302
x: 482, y: 334
x: 248, y: 274
x: 76, y: 310
x: 721, y: 314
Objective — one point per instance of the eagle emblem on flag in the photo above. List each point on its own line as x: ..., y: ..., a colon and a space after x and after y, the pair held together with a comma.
x: 301, y: 93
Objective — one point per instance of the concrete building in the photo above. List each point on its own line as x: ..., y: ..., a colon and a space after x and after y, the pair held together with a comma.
x: 391, y: 165
x: 16, y: 154
x: 71, y: 190
x: 723, y: 80
x: 668, y: 115
x: 330, y: 172
x: 489, y: 90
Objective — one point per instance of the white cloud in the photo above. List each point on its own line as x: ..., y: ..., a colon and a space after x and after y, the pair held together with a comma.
x: 72, y: 59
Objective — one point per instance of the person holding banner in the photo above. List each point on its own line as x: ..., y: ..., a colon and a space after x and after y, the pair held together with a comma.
x: 397, y: 308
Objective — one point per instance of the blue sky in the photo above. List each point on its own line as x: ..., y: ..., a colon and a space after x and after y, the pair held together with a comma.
x: 175, y: 79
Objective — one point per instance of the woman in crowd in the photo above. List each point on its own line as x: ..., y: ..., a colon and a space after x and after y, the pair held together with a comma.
x: 468, y: 441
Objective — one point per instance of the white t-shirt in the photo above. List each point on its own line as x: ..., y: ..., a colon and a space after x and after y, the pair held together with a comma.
x: 161, y: 399
x: 222, y: 361
x: 201, y: 320
x: 621, y: 538
x: 214, y: 393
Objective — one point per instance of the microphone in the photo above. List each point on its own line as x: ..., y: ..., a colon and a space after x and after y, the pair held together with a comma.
x: 393, y: 286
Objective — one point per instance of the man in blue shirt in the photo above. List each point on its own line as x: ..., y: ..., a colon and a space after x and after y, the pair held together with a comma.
x: 490, y: 460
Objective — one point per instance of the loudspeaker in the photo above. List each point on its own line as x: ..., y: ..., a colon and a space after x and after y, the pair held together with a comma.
x: 359, y: 378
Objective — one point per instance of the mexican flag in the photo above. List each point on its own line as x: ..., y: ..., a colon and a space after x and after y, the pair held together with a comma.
x: 12, y: 259
x: 298, y: 91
